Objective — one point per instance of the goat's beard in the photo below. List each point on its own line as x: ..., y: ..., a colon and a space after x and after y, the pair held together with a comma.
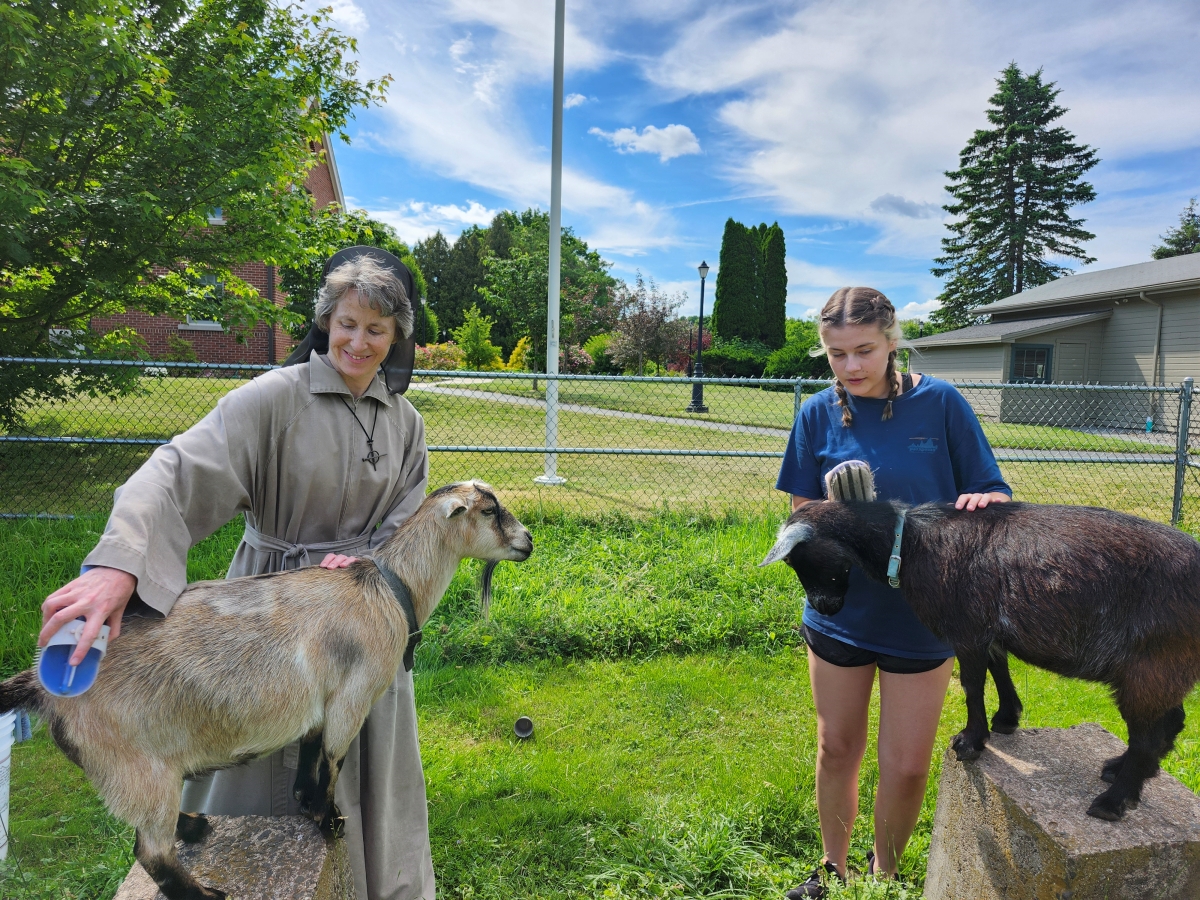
x: 485, y: 588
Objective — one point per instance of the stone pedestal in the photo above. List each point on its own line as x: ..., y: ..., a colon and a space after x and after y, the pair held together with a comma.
x: 1014, y: 825
x: 258, y: 858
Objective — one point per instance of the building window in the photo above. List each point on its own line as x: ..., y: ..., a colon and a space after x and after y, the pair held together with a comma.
x: 1031, y: 363
x: 216, y: 216
x: 214, y: 290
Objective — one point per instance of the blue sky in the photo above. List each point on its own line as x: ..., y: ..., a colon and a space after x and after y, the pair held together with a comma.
x: 835, y: 119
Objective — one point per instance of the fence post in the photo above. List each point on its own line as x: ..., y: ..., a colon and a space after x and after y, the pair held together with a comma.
x: 799, y: 398
x: 1181, y: 447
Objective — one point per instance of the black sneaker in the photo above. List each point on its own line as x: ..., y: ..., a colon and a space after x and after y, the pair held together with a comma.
x: 813, y: 888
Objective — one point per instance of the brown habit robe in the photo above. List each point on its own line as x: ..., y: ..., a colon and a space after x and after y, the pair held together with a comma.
x: 285, y: 452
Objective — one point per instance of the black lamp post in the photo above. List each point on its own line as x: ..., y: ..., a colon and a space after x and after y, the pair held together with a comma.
x: 697, y: 404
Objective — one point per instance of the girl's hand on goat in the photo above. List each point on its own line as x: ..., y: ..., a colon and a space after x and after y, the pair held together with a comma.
x: 972, y: 502
x: 337, y: 561
x: 99, y: 595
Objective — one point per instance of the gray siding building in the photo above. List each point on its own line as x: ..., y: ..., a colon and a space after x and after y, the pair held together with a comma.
x: 1136, y: 324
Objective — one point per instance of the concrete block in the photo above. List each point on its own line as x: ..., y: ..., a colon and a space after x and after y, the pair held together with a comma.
x: 1014, y: 825
x: 259, y: 858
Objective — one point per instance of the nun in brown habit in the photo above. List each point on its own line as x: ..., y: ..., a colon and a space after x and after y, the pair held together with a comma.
x: 314, y: 470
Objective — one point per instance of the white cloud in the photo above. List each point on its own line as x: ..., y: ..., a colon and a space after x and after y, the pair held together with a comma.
x: 572, y: 100
x: 348, y: 15
x: 668, y: 143
x: 416, y: 220
x: 459, y: 68
x: 835, y: 109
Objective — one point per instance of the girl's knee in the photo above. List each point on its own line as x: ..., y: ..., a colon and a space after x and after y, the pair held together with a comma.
x: 840, y: 751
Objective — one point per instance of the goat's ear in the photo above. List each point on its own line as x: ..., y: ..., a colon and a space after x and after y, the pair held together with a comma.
x: 789, y: 537
x: 454, y: 506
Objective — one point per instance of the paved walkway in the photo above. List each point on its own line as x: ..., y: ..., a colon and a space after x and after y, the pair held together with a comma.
x: 728, y: 427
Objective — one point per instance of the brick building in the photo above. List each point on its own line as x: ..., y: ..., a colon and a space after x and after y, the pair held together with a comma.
x: 210, y: 342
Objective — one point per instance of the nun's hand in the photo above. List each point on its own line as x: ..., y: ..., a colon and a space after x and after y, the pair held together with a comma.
x: 337, y: 561
x: 99, y: 595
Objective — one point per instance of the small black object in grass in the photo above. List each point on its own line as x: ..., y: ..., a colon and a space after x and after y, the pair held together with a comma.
x: 523, y: 728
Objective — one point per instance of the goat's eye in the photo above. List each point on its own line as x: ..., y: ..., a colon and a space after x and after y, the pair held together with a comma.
x: 490, y: 511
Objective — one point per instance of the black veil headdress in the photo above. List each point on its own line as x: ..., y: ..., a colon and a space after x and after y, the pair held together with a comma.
x: 398, y: 367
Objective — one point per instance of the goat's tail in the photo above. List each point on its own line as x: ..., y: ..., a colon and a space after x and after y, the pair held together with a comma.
x: 21, y: 692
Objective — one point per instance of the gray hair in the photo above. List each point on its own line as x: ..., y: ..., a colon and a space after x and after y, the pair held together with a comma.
x: 377, y: 286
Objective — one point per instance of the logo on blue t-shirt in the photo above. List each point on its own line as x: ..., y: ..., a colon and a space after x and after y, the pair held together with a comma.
x: 922, y: 445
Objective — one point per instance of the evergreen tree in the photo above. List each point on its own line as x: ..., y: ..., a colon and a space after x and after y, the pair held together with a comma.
x: 735, y: 304
x: 1013, y: 189
x: 773, y: 307
x: 1184, y: 239
x: 433, y: 256
x: 462, y: 277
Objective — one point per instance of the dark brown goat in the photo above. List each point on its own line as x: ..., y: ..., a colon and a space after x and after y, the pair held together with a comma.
x: 1088, y: 593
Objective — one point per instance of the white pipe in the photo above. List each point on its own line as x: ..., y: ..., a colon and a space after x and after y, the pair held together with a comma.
x: 1157, y: 335
x: 550, y: 474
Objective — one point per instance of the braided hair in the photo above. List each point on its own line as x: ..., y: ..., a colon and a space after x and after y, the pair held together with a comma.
x: 863, y: 306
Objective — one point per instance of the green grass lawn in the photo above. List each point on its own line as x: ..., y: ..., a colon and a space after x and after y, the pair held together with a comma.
x: 674, y: 728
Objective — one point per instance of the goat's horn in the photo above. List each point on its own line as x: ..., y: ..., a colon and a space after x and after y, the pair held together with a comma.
x: 789, y: 537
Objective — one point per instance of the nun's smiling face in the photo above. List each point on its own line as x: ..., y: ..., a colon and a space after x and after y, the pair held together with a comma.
x: 359, y: 341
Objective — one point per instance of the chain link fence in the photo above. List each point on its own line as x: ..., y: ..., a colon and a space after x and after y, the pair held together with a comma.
x: 615, y: 443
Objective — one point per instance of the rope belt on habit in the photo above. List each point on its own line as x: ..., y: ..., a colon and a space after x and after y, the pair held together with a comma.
x: 296, y: 556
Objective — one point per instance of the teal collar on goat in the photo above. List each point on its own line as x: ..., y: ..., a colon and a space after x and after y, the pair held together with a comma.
x: 404, y: 598
x: 894, y: 559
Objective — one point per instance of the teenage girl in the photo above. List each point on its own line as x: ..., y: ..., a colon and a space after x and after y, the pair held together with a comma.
x: 923, y: 443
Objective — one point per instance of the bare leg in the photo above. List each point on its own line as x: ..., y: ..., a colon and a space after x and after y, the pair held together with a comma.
x: 842, y: 697
x: 909, y: 709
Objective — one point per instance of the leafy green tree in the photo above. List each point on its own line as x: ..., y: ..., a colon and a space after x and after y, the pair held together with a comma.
x: 474, y: 337
x: 1184, y: 239
x: 1013, y: 191
x: 648, y: 329
x: 516, y: 283
x: 125, y: 129
x: 323, y: 234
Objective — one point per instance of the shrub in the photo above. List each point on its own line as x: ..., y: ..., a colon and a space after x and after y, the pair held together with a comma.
x: 179, y: 350
x: 793, y: 361
x: 574, y: 360
x: 440, y: 356
x: 736, y: 359
x: 597, y: 347
x: 518, y: 360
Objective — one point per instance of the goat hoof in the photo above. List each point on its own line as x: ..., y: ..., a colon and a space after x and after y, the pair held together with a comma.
x: 192, y: 828
x: 1107, y: 810
x: 1004, y: 724
x: 966, y: 749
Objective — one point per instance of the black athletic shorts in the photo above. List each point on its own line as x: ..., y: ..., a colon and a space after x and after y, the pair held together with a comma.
x: 847, y: 656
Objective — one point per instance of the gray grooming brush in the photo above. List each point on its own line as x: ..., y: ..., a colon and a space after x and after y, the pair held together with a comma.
x: 851, y: 480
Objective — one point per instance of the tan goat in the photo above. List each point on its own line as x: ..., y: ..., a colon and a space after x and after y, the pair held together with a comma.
x: 241, y: 668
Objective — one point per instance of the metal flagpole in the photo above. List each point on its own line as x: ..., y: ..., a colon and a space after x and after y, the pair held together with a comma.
x: 550, y: 474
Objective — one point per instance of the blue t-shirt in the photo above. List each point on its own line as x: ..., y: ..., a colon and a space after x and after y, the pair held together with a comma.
x: 932, y: 449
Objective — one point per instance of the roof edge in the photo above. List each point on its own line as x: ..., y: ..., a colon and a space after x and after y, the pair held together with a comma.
x: 334, y: 177
x: 1163, y: 287
x: 1005, y: 337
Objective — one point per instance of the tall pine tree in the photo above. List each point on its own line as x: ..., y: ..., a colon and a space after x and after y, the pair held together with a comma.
x: 1184, y: 239
x: 735, y: 305
x: 1013, y: 190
